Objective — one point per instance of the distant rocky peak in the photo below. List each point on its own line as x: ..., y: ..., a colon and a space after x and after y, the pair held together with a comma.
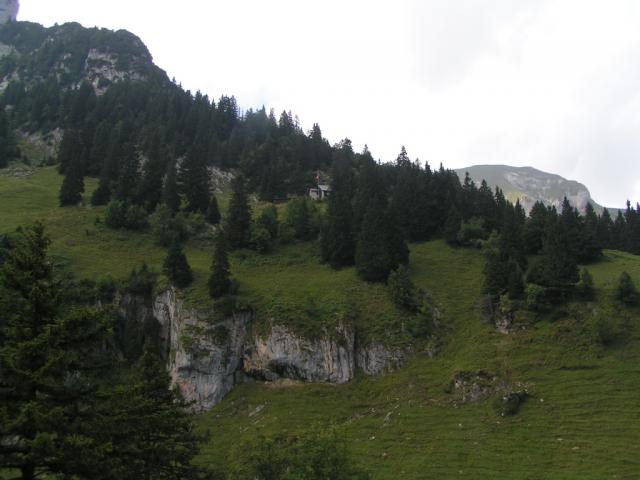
x: 9, y: 10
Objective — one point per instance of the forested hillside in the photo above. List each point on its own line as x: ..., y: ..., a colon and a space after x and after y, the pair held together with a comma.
x: 402, y: 326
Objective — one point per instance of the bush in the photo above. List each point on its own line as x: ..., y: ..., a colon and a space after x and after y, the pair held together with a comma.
x: 115, y: 214
x: 142, y: 281
x: 302, y: 217
x: 135, y: 218
x: 176, y: 267
x: 626, y: 291
x: 120, y: 215
x: 316, y: 455
x: 472, y: 233
x: 585, y: 289
x: 260, y: 239
x: 268, y: 220
x: 402, y: 290
x: 536, y: 297
x: 604, y: 330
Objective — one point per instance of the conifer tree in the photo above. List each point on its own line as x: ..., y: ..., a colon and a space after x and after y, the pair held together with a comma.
x: 238, y: 221
x: 213, y: 212
x: 41, y: 344
x: 170, y: 195
x: 219, y: 280
x: 337, y: 241
x: 452, y: 225
x: 535, y: 228
x: 156, y: 438
x: 194, y: 177
x: 72, y: 186
x: 129, y: 176
x: 176, y: 266
x: 381, y: 247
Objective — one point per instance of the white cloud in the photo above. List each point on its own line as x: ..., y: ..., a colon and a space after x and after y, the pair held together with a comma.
x: 552, y: 84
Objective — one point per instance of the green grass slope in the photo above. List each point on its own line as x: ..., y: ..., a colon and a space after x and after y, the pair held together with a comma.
x: 582, y: 420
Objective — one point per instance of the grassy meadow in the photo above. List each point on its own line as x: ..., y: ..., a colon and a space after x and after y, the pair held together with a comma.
x: 581, y: 420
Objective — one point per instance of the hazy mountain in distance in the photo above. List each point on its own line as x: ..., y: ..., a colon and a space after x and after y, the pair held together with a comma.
x: 531, y: 185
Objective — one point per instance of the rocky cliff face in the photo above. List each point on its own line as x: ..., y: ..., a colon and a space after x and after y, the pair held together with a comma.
x: 9, y: 10
x: 207, y: 356
x: 204, y: 354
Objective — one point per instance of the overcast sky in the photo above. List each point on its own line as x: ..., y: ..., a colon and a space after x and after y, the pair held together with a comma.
x: 550, y: 84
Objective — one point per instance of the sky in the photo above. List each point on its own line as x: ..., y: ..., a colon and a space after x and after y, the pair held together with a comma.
x: 552, y: 84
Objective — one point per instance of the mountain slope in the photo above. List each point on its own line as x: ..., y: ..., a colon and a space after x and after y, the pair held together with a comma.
x: 531, y: 185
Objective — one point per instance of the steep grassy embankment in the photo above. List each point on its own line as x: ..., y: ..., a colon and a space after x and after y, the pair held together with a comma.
x: 582, y: 420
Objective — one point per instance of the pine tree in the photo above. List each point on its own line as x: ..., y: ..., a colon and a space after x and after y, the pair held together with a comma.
x: 535, y: 228
x: 72, y: 186
x: 129, y: 176
x: 170, y: 195
x: 176, y: 266
x: 194, y: 177
x: 452, y: 225
x: 238, y: 221
x: 591, y: 248
x: 49, y: 357
x: 337, y: 240
x: 626, y: 291
x: 154, y: 433
x: 379, y: 250
x: 213, y: 212
x: 219, y: 280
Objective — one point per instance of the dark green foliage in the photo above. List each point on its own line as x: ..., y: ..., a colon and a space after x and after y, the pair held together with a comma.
x: 626, y: 291
x: 536, y: 297
x: 237, y: 227
x: 452, y: 226
x: 472, y: 232
x: 268, y: 219
x: 72, y: 186
x: 337, y: 239
x: 604, y: 329
x: 403, y: 291
x: 381, y: 247
x: 515, y: 280
x: 194, y: 177
x: 219, y: 280
x: 302, y: 217
x: 176, y: 267
x: 496, y: 272
x: 129, y: 176
x: 8, y: 148
x: 316, y: 455
x: 585, y: 288
x: 141, y: 281
x: 213, y: 212
x: 535, y: 228
x: 154, y: 436
x: 170, y: 195
x: 121, y: 215
x: 261, y: 240
x: 41, y: 344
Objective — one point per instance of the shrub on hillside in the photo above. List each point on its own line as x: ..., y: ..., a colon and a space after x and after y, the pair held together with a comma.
x: 536, y: 297
x: 472, y: 233
x: 260, y: 239
x: 176, y: 267
x: 403, y: 291
x: 626, y: 291
x: 585, y: 289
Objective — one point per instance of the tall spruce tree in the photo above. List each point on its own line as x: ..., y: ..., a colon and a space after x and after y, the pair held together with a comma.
x: 48, y: 360
x: 219, y: 280
x: 170, y: 195
x: 72, y: 186
x: 213, y: 212
x: 337, y: 240
x: 381, y: 247
x: 237, y: 226
x: 176, y: 266
x: 194, y: 176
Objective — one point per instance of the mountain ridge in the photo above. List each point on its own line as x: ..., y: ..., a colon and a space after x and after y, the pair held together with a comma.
x: 529, y: 185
